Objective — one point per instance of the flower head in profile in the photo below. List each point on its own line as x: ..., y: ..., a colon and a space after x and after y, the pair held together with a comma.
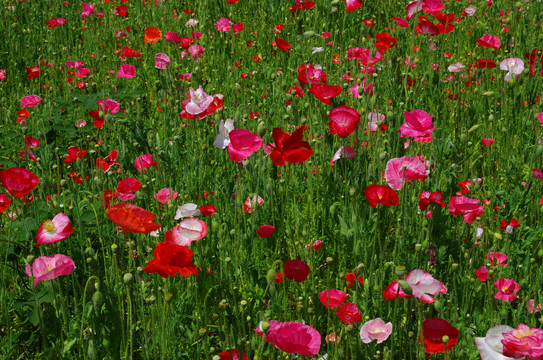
x: 243, y: 143
x: 171, y: 259
x: 18, y: 181
x: 144, y: 162
x: 513, y: 66
x: 132, y: 218
x: 222, y: 140
x: 249, y: 203
x: 55, y: 230
x: 50, y: 267
x: 375, y: 329
x: 332, y: 298
x: 418, y: 124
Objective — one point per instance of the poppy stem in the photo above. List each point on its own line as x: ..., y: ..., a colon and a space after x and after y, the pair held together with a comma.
x: 14, y: 242
x: 40, y: 316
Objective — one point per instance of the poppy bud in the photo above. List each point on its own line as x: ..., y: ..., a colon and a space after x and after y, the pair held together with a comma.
x: 265, y: 326
x: 404, y: 285
x: 310, y: 34
x: 399, y: 270
x: 128, y: 278
x: 97, y: 300
x: 261, y: 129
x: 498, y: 236
x: 270, y: 276
x: 114, y: 249
x: 539, y: 150
x: 473, y: 128
x: 334, y: 3
x: 438, y: 305
x: 109, y: 117
x: 168, y: 296
x: 29, y: 259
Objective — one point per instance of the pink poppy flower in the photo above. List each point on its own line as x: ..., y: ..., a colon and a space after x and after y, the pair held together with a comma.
x: 3, y: 75
x: 249, y: 204
x: 491, y: 347
x: 432, y: 7
x: 513, y: 66
x: 243, y: 143
x: 496, y: 258
x: 343, y: 121
x: 223, y: 138
x: 482, y: 273
x: 349, y: 313
x: 487, y: 141
x: 50, y: 267
x: 332, y: 298
x: 52, y: 231
x: 108, y: 106
x: 162, y: 61
x: 375, y: 329
x: 199, y: 101
x: 293, y: 337
x: 374, y: 120
x: 400, y: 170
x: 539, y: 117
x: 172, y: 37
x: 82, y: 72
x: 489, y: 41
x: 144, y: 162
x: 424, y: 285
x: 538, y: 174
x: 30, y: 101
x: 457, y: 67
x: 265, y: 231
x: 56, y: 22
x: 127, y: 187
x: 87, y: 10
x: 470, y: 10
x: 346, y: 152
x: 418, y: 123
x: 524, y: 341
x: 352, y: 5
x: 196, y: 51
x: 164, y: 196
x: 507, y: 288
x: 223, y: 25
x: 187, y: 210
x: 469, y: 208
x: 127, y: 71
x: 188, y: 231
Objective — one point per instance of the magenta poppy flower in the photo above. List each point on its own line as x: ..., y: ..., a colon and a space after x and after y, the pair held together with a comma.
x: 162, y: 61
x: 352, y: 5
x: 489, y: 41
x: 432, y: 7
x: 507, y: 288
x: 223, y: 25
x: 400, y: 170
x: 308, y: 73
x: 73, y: 64
x: 82, y: 72
x: 127, y: 187
x: 50, y: 267
x: 375, y: 329
x: 343, y: 121
x: 30, y: 101
x: 18, y: 181
x: 265, y: 231
x: 196, y: 51
x: 296, y: 270
x: 482, y: 273
x: 349, y: 313
x: 418, y: 124
x: 487, y: 141
x: 293, y: 337
x: 144, y: 162
x: 55, y: 230
x: 332, y: 298
x: 199, y: 101
x: 108, y: 106
x: 172, y: 37
x: 164, y: 196
x: 127, y: 71
x: 243, y: 144
x: 538, y: 174
x: 87, y: 10
x: 188, y: 231
x: 524, y: 341
x: 469, y: 208
x: 513, y: 66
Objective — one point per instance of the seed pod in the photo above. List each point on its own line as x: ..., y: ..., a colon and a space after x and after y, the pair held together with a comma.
x: 261, y: 129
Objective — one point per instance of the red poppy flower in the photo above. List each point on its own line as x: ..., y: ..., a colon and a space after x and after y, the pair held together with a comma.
x: 349, y: 313
x: 343, y: 121
x: 127, y: 187
x: 132, y: 218
x: 5, y: 201
x: 282, y: 44
x: 107, y: 162
x: 381, y: 194
x: 18, y: 181
x: 288, y: 148
x: 152, y: 35
x: 325, y: 92
x: 208, y: 210
x: 232, y: 354
x: 435, y: 331
x: 232, y: 1
x: 351, y: 278
x: 296, y: 270
x: 265, y: 231
x: 53, y: 23
x: 332, y: 298
x: 485, y: 64
x: 33, y: 72
x: 170, y: 260
x: 109, y: 195
x: 278, y: 278
x: 428, y: 197
x: 74, y: 153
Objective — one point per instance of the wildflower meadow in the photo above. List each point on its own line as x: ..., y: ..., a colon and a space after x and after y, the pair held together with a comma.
x: 280, y: 179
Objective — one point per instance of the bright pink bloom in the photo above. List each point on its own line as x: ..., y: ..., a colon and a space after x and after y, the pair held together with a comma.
x: 56, y: 22
x: 223, y: 25
x: 82, y: 72
x: 530, y: 305
x: 487, y: 141
x: 196, y: 51
x: 507, y: 288
x: 188, y: 231
x: 524, y: 341
x: 400, y: 170
x: 332, y: 298
x: 349, y: 313
x: 418, y: 123
x: 482, y: 273
x: 489, y: 41
x: 18, y: 181
x: 249, y: 204
x: 30, y: 101
x: 469, y: 208
x: 293, y: 338
x: 87, y: 10
x: 538, y: 174
x: 144, y: 162
x: 243, y: 143
x: 52, y: 231
x: 343, y: 121
x: 164, y: 196
x: 199, y: 101
x: 127, y: 187
x: 127, y: 71
x: 265, y: 231
x: 173, y: 37
x: 296, y: 270
x: 375, y: 329
x: 496, y: 258
x: 432, y: 7
x: 352, y: 5
x: 162, y: 61
x: 50, y: 267
x: 308, y: 73
x: 108, y: 106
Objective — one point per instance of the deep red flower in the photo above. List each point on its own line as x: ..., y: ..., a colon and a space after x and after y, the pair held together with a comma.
x: 132, y: 218
x: 325, y: 92
x: 485, y: 64
x: 208, y: 210
x: 296, y: 270
x: 5, y: 201
x: 53, y: 23
x: 349, y: 313
x: 434, y: 330
x: 381, y: 194
x: 288, y: 148
x: 18, y: 181
x: 33, y: 72
x: 265, y: 231
x: 170, y: 260
x: 351, y: 278
x: 74, y: 153
x: 282, y: 44
x: 109, y: 195
x: 232, y: 354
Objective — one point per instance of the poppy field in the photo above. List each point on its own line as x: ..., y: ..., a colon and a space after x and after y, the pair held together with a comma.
x: 284, y: 179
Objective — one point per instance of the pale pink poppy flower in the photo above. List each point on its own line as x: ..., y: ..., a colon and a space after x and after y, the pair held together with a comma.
x: 50, y: 267
x: 199, y: 101
x: 250, y: 204
x: 513, y: 66
x: 374, y: 120
x: 243, y: 143
x: 223, y: 24
x: 524, y: 341
x: 162, y: 61
x: 491, y: 347
x: 73, y: 64
x: 507, y: 288
x: 127, y: 187
x: 80, y: 123
x: 143, y: 162
x: 457, y: 67
x: 223, y: 139
x: 400, y: 170
x: 424, y: 285
x: 30, y: 101
x: 375, y: 329
x: 418, y: 123
x: 187, y: 210
x: 292, y: 337
x: 55, y: 230
x: 489, y: 41
x: 188, y: 231
x: 127, y: 71
x: 346, y: 152
x: 196, y: 51
x: 164, y: 196
x: 173, y: 37
x: 82, y: 72
x: 191, y: 23
x: 108, y: 106
x: 470, y: 10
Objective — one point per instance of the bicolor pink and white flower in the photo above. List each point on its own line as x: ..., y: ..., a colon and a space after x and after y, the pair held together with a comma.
x: 162, y: 61
x: 199, y: 101
x: 187, y: 210
x: 55, y: 230
x: 375, y: 329
x: 188, y: 231
x: 513, y: 66
x: 222, y: 140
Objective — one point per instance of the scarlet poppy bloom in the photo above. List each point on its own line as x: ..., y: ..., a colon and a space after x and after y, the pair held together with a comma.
x: 485, y: 64
x: 55, y: 230
x: 232, y: 1
x: 343, y: 121
x: 50, y: 267
x: 351, y: 278
x: 265, y: 231
x: 152, y: 35
x: 170, y: 260
x: 296, y: 270
x: 278, y: 278
x: 381, y: 194
x: 33, y: 72
x: 292, y: 337
x: 434, y: 330
x: 489, y: 41
x: 109, y: 195
x: 128, y: 52
x: 5, y: 201
x: 349, y: 313
x: 332, y: 298
x: 107, y: 162
x: 428, y: 197
x: 288, y: 148
x: 74, y: 153
x: 509, y: 226
x: 18, y: 181
x: 132, y: 218
x: 282, y: 44
x: 325, y: 92
x: 232, y: 354
x: 127, y: 187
